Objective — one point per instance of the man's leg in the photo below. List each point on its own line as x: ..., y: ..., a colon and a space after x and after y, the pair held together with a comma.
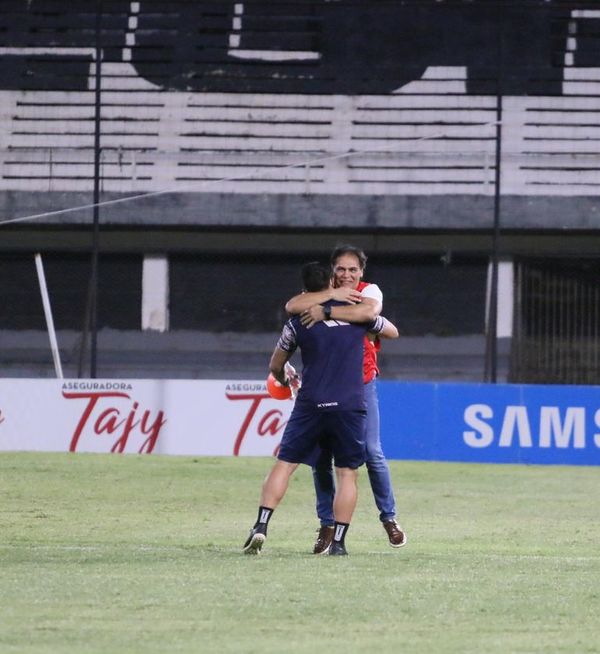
x: 377, y: 467
x: 325, y: 492
x: 346, y: 494
x: 324, y: 487
x: 343, y: 507
x: 273, y: 489
x: 276, y: 483
x: 379, y: 471
x: 347, y: 429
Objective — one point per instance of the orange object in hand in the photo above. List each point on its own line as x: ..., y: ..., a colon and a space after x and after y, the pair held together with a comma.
x: 277, y: 390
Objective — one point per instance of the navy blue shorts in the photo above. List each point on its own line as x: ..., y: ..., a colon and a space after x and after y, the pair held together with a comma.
x: 341, y: 432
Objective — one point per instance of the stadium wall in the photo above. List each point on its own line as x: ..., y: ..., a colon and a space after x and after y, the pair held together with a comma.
x: 438, y: 422
x: 231, y: 133
x: 311, y: 115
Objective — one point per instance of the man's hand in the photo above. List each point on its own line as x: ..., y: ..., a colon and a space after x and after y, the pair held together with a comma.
x: 345, y: 294
x: 292, y: 378
x: 311, y: 316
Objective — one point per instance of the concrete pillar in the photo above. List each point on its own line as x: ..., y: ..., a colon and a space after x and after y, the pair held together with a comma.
x: 504, y: 323
x: 155, y: 293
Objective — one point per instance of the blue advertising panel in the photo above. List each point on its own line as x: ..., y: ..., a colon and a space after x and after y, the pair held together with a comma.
x: 487, y: 423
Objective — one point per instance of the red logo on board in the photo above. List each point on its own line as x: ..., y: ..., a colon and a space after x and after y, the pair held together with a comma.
x: 257, y: 421
x: 117, y: 415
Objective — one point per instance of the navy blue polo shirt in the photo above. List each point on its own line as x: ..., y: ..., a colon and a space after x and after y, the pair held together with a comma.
x: 332, y: 359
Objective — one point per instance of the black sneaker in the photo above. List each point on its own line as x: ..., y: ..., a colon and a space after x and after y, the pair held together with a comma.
x: 337, y: 549
x: 255, y: 540
x: 324, y: 538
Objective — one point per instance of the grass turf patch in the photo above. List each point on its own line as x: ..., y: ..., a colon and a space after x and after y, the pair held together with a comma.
x: 106, y: 553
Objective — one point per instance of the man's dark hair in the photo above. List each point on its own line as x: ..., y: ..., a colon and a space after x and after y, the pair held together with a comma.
x: 349, y: 249
x: 315, y: 276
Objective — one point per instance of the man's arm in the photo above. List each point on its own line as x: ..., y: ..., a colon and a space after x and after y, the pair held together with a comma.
x: 382, y: 328
x: 389, y: 329
x: 366, y: 311
x: 277, y: 364
x: 303, y: 301
x: 285, y: 348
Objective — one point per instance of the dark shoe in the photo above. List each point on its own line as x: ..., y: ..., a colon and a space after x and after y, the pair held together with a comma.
x: 337, y: 549
x: 395, y: 534
x: 324, y: 539
x: 255, y: 540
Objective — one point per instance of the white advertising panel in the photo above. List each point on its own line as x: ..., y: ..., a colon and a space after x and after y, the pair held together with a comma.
x: 141, y: 416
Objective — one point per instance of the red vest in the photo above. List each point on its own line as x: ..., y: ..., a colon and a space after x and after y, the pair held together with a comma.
x: 370, y: 369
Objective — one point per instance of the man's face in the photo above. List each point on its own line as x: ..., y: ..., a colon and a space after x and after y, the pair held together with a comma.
x: 347, y: 271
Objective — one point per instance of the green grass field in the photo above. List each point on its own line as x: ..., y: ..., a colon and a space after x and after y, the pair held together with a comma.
x: 108, y: 553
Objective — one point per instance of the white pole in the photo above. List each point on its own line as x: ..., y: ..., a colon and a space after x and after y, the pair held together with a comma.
x: 48, y: 313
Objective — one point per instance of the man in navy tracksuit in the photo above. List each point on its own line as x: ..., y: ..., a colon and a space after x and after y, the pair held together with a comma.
x: 329, y: 411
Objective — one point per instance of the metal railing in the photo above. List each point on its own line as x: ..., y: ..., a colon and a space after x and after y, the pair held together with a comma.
x: 557, y: 322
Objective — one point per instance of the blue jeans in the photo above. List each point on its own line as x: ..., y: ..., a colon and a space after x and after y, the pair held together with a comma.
x: 377, y: 467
